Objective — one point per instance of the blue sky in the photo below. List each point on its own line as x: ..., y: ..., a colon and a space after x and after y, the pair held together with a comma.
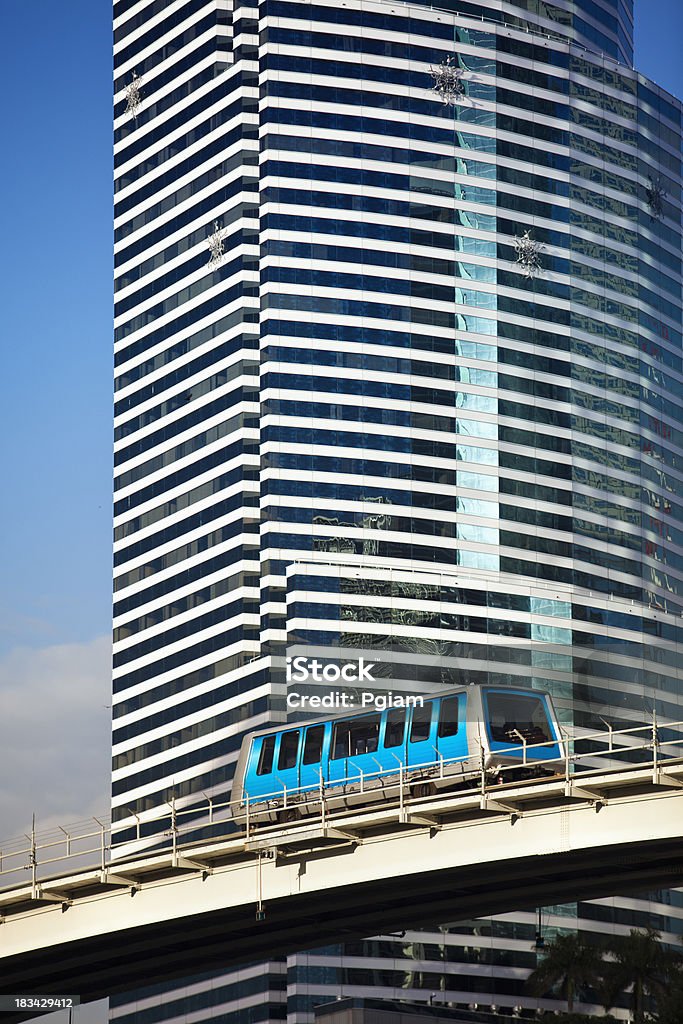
x: 56, y: 347
x: 659, y: 36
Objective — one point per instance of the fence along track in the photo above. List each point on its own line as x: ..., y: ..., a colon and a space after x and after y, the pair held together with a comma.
x: 93, y: 845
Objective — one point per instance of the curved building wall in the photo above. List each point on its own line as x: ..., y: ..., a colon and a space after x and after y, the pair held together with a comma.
x: 425, y: 403
x: 499, y: 440
x: 604, y: 26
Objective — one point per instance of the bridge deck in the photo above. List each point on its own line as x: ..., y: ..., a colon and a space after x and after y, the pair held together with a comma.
x: 453, y: 856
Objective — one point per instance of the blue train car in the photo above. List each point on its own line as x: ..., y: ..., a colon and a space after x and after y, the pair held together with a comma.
x: 357, y: 757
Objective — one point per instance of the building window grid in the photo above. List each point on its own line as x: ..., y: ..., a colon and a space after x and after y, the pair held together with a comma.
x: 653, y: 334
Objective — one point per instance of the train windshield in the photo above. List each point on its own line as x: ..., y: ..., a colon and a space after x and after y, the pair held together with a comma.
x: 514, y: 717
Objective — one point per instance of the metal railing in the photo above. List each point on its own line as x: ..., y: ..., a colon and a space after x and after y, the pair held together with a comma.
x: 101, y: 844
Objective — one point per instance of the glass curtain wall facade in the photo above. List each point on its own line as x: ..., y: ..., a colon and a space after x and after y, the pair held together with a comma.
x: 393, y: 375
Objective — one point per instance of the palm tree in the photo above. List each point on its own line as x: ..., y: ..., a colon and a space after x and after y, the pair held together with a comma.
x: 642, y: 965
x: 670, y: 1004
x: 570, y: 964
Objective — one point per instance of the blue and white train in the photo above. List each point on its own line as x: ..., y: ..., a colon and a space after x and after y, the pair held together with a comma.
x: 357, y: 758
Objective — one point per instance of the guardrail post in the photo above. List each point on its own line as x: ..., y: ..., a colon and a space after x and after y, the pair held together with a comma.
x: 401, y: 802
x: 610, y: 730
x: 566, y: 757
x: 33, y: 857
x: 523, y: 740
x: 248, y: 807
x: 174, y: 829
x: 67, y: 838
x: 103, y: 845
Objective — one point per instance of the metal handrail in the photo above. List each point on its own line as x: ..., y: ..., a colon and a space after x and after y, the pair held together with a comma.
x: 97, y: 837
x: 293, y: 791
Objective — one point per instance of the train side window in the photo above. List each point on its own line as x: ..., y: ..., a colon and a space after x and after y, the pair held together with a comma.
x: 355, y: 736
x: 448, y: 717
x: 289, y: 748
x: 395, y: 727
x: 341, y: 740
x: 265, y: 761
x: 313, y: 744
x: 422, y: 721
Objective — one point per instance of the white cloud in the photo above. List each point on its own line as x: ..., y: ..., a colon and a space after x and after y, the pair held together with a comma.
x: 55, y: 735
x: 55, y: 748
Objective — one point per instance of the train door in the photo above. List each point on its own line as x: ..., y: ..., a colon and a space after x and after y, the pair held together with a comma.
x: 451, y: 730
x: 422, y: 734
x: 286, y: 769
x: 394, y: 739
x: 353, y: 748
x: 312, y: 757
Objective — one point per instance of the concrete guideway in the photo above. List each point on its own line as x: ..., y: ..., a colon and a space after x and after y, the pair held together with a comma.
x: 285, y: 888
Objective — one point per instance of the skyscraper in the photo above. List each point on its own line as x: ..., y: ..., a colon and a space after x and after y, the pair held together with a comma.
x: 398, y: 370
